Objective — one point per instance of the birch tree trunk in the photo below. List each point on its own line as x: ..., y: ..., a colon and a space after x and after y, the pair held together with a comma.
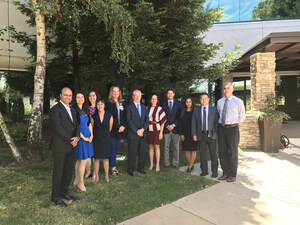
x: 34, y: 139
x: 14, y: 149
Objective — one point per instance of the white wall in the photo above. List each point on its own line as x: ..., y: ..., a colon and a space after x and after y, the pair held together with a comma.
x: 246, y: 34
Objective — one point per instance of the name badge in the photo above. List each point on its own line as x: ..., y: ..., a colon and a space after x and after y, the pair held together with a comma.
x: 121, y: 107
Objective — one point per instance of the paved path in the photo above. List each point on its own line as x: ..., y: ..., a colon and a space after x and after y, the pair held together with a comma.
x: 267, y: 191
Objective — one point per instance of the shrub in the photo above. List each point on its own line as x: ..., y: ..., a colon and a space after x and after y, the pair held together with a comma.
x: 18, y: 131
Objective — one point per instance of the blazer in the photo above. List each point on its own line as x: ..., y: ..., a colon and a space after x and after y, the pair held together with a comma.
x: 63, y: 129
x: 173, y: 117
x: 134, y: 121
x: 213, y: 117
x: 112, y: 108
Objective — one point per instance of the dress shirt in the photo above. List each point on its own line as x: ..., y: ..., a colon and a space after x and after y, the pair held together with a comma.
x: 139, y: 106
x: 206, y: 109
x: 118, y: 108
x: 235, y: 110
x: 68, y: 109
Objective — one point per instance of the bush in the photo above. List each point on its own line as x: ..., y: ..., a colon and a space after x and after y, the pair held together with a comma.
x: 18, y: 131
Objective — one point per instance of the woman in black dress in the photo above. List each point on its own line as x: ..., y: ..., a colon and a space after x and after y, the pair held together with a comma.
x: 189, y: 146
x: 102, y: 122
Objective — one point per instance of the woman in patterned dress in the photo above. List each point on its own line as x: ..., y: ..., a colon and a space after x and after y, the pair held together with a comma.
x: 157, y: 119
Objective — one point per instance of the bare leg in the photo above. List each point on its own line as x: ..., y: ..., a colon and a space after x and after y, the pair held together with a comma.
x: 76, y: 180
x: 157, y: 156
x: 151, y: 156
x: 88, y: 168
x: 188, y: 157
x: 81, y: 169
x: 96, y: 170
x: 106, y: 169
x: 192, y: 159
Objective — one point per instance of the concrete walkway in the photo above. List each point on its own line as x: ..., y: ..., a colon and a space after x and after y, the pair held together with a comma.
x: 267, y: 191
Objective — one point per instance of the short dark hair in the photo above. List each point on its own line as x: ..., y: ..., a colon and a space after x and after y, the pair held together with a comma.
x: 204, y: 93
x: 170, y: 89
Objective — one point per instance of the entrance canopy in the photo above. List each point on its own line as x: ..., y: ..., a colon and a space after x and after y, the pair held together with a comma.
x: 286, y: 46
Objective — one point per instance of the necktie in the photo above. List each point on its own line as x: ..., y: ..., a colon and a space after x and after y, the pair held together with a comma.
x: 204, y: 119
x: 139, y: 109
x: 224, y: 112
x: 170, y: 106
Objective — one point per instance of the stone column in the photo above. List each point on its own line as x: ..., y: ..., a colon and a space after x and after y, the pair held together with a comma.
x: 263, y: 77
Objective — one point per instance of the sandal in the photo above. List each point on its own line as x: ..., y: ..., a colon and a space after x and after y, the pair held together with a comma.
x: 115, y: 173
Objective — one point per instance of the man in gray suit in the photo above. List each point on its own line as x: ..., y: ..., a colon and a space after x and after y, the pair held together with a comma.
x: 204, y: 130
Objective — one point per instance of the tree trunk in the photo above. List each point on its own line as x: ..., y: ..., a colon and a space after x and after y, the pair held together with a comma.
x: 133, y: 85
x: 34, y: 139
x: 14, y: 149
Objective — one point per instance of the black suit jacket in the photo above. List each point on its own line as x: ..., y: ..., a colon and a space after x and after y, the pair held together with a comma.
x: 173, y: 117
x: 213, y: 117
x: 63, y: 129
x: 134, y: 121
x: 112, y: 108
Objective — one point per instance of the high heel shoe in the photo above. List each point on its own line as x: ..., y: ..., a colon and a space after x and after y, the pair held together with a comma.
x: 81, y: 188
x: 88, y: 174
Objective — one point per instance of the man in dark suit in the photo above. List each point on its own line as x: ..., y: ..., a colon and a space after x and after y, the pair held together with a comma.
x: 65, y: 135
x: 173, y: 110
x: 138, y: 121
x: 204, y: 130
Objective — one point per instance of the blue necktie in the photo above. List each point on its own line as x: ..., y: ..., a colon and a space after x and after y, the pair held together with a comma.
x: 204, y: 119
x: 170, y: 106
x: 139, y: 109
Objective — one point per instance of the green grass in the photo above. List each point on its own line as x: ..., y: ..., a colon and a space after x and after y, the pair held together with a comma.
x: 25, y: 194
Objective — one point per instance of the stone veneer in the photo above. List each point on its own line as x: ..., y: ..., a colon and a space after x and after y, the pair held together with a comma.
x: 263, y: 76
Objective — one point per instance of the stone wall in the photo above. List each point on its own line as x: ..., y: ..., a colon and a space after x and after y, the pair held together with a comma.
x: 263, y: 77
x: 249, y: 133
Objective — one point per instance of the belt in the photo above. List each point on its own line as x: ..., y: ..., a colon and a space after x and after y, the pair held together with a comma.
x: 153, y: 122
x: 231, y: 125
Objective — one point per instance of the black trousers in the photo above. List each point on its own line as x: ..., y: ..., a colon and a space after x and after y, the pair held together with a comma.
x: 136, y: 147
x: 211, y: 143
x: 229, y: 139
x: 62, y: 173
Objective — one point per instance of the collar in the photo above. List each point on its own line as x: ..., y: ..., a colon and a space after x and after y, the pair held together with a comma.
x: 170, y: 101
x: 66, y: 106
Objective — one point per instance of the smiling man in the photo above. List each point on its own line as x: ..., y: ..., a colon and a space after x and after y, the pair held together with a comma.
x: 232, y: 112
x: 65, y: 135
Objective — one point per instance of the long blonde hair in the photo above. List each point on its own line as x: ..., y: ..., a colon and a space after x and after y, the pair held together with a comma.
x: 110, y: 97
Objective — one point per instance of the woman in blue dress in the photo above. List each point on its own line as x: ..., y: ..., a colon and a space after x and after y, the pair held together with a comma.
x: 84, y: 148
x: 102, y: 122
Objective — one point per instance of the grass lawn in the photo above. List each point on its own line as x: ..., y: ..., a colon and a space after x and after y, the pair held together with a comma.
x: 25, y: 194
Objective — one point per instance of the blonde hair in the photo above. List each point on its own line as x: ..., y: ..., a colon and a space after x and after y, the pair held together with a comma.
x: 110, y: 97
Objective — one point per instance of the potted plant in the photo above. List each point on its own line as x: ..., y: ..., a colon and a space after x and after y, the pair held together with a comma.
x: 270, y: 124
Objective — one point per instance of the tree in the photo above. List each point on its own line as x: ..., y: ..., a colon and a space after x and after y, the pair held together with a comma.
x: 34, y: 137
x: 14, y: 149
x: 276, y: 9
x: 63, y: 20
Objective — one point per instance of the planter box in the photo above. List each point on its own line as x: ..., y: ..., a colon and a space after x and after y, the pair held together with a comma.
x: 270, y: 135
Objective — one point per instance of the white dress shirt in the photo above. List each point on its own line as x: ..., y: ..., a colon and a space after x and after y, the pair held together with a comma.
x: 206, y: 109
x: 68, y: 109
x: 235, y: 110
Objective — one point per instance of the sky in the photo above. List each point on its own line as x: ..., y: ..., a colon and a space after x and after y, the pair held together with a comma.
x: 235, y: 10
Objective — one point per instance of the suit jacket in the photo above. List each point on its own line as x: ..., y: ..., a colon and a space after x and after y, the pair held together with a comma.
x: 63, y: 129
x: 112, y: 108
x: 134, y: 121
x: 172, y: 117
x: 213, y: 117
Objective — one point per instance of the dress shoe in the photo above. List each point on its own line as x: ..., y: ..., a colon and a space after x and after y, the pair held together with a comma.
x: 166, y: 166
x: 189, y: 170
x: 231, y: 179
x: 142, y: 171
x: 214, y: 175
x: 69, y: 197
x: 59, y: 202
x: 203, y: 174
x: 224, y: 177
x: 176, y: 167
x: 130, y: 174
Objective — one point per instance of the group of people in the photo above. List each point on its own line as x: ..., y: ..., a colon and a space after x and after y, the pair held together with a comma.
x: 93, y: 128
